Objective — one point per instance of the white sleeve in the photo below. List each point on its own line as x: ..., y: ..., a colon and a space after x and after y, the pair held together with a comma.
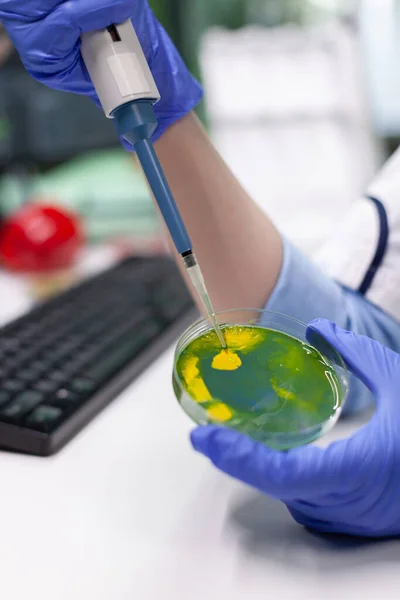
x: 364, y: 252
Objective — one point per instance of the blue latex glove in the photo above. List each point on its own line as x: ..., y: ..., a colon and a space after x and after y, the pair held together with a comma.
x: 353, y: 487
x: 47, y: 33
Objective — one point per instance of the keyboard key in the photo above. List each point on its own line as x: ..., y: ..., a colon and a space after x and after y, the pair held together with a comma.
x: 86, y: 357
x: 58, y: 376
x: 80, y: 360
x: 5, y: 398
x: 39, y: 366
x: 26, y: 355
x: 12, y: 385
x: 21, y: 406
x: 66, y: 399
x: 10, y: 364
x: 60, y: 352
x: 44, y: 418
x: 29, y: 330
x: 42, y: 366
x: 49, y: 359
x: 28, y: 375
x: 10, y: 344
x: 71, y: 367
x: 82, y: 386
x: 46, y: 386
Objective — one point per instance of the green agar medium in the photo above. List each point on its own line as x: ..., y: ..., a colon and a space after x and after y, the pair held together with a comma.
x: 265, y: 383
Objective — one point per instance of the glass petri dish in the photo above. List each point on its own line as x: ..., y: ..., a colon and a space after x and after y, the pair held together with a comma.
x: 273, y: 382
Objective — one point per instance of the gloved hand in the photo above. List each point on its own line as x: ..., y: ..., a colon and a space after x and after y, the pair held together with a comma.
x: 353, y: 487
x: 47, y: 33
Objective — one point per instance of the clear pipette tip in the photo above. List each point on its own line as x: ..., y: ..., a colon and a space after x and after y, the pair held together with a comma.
x: 197, y: 279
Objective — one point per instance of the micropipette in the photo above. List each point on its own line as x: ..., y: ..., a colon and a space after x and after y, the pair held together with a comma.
x: 127, y: 91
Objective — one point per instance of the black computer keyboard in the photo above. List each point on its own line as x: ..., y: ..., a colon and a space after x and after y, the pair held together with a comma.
x: 67, y: 359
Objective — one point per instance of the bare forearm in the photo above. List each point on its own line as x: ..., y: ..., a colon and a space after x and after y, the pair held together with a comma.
x: 238, y: 248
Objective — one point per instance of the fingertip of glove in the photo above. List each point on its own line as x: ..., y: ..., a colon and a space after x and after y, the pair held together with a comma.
x: 328, y: 329
x: 322, y: 335
x: 322, y: 330
x: 196, y: 438
x: 201, y: 436
x: 322, y: 326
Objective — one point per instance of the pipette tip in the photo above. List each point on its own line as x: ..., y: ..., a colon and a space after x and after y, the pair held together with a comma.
x: 218, y: 330
x: 198, y: 282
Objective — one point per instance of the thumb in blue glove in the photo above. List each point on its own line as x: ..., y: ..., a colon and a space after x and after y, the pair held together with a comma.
x: 353, y: 486
x: 47, y: 33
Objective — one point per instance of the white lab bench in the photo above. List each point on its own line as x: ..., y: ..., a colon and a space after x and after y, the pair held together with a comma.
x: 128, y: 511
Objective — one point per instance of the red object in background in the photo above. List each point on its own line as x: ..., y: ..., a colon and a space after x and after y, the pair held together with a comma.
x: 41, y: 238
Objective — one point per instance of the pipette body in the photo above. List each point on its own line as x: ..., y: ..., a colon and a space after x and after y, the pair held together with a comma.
x: 127, y: 91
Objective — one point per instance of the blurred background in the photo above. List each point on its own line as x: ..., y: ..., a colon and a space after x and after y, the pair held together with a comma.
x: 310, y: 86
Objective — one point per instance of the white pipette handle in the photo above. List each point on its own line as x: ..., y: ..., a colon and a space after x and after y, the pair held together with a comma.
x: 118, y: 67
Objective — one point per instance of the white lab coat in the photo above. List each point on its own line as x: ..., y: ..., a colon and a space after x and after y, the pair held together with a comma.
x: 361, y: 248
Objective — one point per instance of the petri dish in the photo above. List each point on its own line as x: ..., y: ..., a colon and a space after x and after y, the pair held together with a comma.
x: 273, y: 383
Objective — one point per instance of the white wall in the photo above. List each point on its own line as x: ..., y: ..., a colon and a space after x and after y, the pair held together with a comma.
x: 289, y: 115
x: 380, y: 38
